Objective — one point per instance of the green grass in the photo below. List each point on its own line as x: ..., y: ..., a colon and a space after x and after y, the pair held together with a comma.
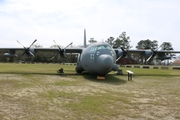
x: 36, y: 91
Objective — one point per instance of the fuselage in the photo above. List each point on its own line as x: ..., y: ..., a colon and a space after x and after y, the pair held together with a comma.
x: 98, y: 58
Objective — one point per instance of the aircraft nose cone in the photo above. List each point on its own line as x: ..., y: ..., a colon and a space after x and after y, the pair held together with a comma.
x: 105, y: 63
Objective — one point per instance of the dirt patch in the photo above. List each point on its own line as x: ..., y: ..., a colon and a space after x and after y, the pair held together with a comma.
x: 59, y: 97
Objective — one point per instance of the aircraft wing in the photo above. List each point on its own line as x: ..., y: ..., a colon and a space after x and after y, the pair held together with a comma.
x: 143, y: 51
x: 161, y: 54
x: 11, y: 52
x: 167, y: 51
x: 159, y: 51
x: 68, y: 50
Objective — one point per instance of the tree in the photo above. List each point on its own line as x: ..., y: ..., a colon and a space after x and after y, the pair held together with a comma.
x: 122, y: 41
x: 166, y: 46
x: 147, y: 44
x: 55, y: 46
x: 37, y: 45
x: 110, y: 40
x: 92, y: 40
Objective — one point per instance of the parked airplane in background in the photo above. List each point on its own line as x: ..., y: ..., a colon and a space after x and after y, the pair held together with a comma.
x: 97, y: 58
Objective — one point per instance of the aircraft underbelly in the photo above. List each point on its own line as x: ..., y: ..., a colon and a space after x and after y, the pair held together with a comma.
x: 90, y: 67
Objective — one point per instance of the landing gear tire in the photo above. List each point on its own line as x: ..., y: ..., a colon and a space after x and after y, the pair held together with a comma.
x: 77, y: 70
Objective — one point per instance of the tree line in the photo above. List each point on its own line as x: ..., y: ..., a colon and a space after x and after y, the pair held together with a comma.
x: 121, y: 41
x: 124, y: 41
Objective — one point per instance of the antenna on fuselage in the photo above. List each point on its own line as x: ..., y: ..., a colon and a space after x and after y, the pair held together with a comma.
x: 84, y: 38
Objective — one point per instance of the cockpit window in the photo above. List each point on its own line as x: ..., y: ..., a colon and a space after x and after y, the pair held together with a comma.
x: 100, y: 47
x: 92, y: 49
x: 104, y: 47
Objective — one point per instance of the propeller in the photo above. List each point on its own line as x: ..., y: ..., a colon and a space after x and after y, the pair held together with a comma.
x: 154, y: 52
x: 152, y: 55
x: 62, y: 52
x: 124, y: 53
x: 27, y: 50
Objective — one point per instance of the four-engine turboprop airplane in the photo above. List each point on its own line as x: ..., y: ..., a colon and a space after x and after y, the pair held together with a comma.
x: 97, y: 58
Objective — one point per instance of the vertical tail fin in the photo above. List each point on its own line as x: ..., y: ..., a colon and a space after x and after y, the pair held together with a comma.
x: 84, y: 38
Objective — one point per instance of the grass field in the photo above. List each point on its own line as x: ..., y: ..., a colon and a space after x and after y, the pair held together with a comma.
x: 35, y: 91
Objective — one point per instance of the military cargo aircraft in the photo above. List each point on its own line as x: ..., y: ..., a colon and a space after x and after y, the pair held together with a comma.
x: 97, y: 58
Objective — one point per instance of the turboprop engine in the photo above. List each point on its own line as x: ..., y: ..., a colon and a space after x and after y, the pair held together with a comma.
x: 11, y: 53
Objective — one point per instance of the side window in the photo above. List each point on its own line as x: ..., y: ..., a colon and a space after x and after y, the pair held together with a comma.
x: 112, y: 53
x: 91, y: 56
x: 97, y: 53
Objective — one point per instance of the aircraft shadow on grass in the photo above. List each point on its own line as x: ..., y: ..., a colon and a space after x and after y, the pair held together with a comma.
x: 110, y: 79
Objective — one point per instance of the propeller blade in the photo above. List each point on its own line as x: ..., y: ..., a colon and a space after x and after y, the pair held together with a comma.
x: 57, y: 45
x: 23, y: 53
x: 26, y: 50
x: 21, y: 44
x: 126, y: 53
x: 150, y: 57
x: 62, y: 52
x: 159, y: 47
x: 118, y: 58
x: 153, y: 52
x: 33, y: 43
x: 123, y: 49
x: 130, y: 57
x: 68, y: 45
x: 54, y: 56
x: 31, y: 53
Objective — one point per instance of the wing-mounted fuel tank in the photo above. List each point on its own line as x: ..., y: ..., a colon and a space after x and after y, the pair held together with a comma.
x: 11, y: 53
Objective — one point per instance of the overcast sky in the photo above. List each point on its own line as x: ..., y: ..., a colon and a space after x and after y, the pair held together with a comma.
x: 65, y: 21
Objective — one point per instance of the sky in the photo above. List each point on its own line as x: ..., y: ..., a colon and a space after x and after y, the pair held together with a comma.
x: 65, y: 20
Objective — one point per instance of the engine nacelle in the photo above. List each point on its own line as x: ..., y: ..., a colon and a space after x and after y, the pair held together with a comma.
x: 163, y: 56
x: 62, y: 52
x: 148, y: 53
x: 120, y: 53
x: 10, y: 55
x: 30, y: 51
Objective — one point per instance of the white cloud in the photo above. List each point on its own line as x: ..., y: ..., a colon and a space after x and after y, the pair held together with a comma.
x: 64, y: 21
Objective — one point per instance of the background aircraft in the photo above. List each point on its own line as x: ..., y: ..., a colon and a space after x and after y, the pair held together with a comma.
x: 97, y: 58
